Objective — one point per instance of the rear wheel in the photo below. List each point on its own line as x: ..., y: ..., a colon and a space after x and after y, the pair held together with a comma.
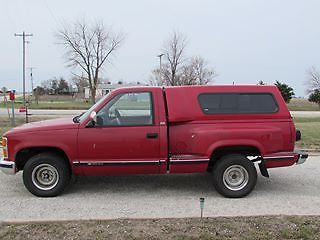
x: 46, y: 175
x: 234, y: 176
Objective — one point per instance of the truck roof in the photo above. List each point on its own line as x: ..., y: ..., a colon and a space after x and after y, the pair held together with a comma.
x: 218, y: 88
x: 236, y: 88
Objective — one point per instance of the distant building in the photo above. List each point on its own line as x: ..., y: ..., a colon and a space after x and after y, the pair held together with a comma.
x: 105, y: 88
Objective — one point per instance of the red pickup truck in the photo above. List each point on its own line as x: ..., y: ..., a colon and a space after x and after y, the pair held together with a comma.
x: 224, y: 130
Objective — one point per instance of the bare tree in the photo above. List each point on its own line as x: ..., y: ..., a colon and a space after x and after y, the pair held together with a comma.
x: 46, y: 84
x: 178, y: 70
x: 50, y: 86
x: 196, y: 72
x: 156, y: 78
x: 81, y: 82
x: 89, y: 47
x: 313, y: 80
x: 173, y: 53
x: 37, y: 92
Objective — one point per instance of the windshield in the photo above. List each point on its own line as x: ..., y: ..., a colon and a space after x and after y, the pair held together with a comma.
x: 84, y: 115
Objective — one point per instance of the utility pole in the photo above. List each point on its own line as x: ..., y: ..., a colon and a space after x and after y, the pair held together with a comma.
x: 160, y: 69
x: 31, y: 79
x: 24, y: 35
x: 160, y: 56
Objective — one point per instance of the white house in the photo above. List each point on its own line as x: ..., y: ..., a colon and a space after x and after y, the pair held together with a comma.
x: 105, y: 88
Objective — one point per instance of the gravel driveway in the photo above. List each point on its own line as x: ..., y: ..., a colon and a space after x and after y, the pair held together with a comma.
x: 294, y: 190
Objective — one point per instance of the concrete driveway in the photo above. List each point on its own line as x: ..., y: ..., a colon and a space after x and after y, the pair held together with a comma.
x: 293, y: 190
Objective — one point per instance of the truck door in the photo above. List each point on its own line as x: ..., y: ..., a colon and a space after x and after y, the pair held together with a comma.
x: 125, y: 139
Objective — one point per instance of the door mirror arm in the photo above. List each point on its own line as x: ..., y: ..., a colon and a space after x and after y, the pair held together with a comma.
x: 93, y: 119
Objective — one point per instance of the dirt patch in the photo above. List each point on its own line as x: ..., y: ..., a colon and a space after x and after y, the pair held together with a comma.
x: 265, y: 227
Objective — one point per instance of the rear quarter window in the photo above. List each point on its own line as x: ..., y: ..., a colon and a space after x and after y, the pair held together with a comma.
x: 237, y: 103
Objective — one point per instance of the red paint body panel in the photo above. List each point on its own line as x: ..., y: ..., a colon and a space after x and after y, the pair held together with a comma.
x: 280, y: 159
x: 181, y: 127
x: 119, y: 143
x: 279, y: 163
x: 56, y: 133
x: 203, y: 138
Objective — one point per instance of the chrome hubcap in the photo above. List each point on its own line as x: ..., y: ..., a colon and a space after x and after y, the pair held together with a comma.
x: 235, y: 177
x: 45, y: 176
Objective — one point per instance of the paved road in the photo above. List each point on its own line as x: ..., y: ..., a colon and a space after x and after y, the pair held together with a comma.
x: 305, y: 113
x: 43, y: 112
x: 293, y: 190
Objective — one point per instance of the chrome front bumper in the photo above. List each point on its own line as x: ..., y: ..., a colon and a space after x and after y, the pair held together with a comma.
x: 7, y: 167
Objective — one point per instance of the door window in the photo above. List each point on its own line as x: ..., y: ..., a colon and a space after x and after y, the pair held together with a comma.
x: 128, y: 109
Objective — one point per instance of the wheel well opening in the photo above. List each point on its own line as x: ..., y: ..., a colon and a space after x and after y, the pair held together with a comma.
x: 222, y: 151
x: 25, y: 154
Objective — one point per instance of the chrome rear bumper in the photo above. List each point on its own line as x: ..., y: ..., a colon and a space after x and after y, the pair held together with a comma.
x: 7, y: 167
x: 284, y: 159
x: 302, y: 158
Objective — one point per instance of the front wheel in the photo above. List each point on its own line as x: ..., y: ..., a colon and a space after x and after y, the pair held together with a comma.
x: 234, y: 176
x: 46, y: 175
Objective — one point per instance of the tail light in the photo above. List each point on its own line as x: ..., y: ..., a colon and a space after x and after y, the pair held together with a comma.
x: 4, y: 143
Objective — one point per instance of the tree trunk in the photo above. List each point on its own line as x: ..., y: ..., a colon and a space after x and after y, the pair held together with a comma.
x: 93, y: 95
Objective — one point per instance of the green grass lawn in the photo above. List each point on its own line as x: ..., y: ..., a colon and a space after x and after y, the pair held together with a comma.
x: 300, y: 104
x: 5, y: 123
x: 61, y: 105
x: 68, y: 105
x: 310, y: 129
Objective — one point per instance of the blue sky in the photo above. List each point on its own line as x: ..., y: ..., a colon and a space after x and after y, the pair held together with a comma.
x: 245, y: 41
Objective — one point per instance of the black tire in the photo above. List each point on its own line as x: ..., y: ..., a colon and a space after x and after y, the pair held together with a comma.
x: 46, y: 175
x: 234, y: 176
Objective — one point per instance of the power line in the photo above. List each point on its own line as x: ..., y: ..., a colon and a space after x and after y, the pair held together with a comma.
x: 51, y: 13
x: 9, y: 14
x: 24, y: 35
